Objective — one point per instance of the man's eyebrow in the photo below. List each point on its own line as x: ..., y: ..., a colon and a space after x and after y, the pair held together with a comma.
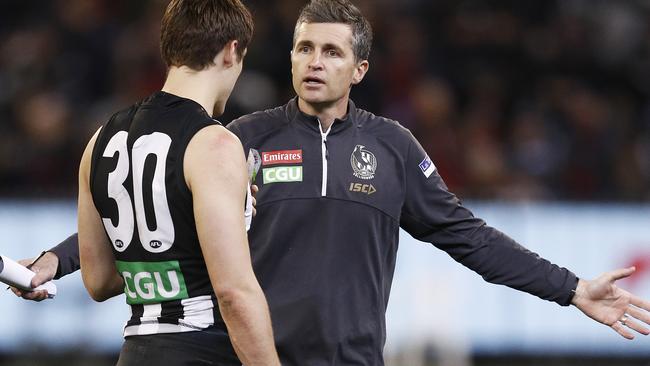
x: 332, y: 46
x: 305, y: 42
x: 326, y: 46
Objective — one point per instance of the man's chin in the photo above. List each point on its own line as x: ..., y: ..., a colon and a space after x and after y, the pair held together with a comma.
x: 312, y: 98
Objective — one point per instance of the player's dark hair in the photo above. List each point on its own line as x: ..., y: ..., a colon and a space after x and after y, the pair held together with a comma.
x: 339, y: 11
x: 193, y: 32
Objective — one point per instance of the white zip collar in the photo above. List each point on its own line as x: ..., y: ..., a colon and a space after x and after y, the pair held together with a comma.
x: 324, y: 156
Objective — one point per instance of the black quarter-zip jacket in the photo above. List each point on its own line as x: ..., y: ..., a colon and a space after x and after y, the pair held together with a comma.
x: 325, y: 237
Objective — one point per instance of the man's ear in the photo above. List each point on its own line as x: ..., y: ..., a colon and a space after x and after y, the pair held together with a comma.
x: 230, y: 55
x: 360, y: 71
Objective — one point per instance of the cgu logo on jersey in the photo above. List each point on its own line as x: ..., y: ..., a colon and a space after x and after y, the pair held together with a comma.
x: 152, y: 282
x: 364, y: 163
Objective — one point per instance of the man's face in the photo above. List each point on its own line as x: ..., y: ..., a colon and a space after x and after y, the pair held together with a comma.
x: 323, y: 63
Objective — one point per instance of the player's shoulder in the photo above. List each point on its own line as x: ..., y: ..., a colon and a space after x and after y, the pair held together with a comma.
x: 123, y: 115
x: 211, y: 145
x: 382, y: 127
x: 259, y: 123
x: 216, y: 137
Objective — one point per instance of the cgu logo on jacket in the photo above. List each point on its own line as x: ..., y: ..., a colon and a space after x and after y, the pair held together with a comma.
x: 364, y: 163
x: 152, y: 282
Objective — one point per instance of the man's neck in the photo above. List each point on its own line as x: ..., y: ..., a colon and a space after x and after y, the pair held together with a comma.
x: 198, y: 86
x: 326, y: 113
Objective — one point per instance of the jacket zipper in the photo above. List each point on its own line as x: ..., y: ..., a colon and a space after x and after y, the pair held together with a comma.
x: 324, y: 155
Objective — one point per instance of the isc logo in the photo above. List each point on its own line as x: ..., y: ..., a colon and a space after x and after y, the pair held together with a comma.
x: 363, y: 188
x: 152, y: 282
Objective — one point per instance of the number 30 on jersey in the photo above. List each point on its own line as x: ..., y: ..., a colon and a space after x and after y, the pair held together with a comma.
x: 154, y: 241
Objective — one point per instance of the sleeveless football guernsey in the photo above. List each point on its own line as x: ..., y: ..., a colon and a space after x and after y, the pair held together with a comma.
x: 138, y: 186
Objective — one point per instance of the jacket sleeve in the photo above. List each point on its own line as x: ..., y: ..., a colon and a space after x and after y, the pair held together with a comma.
x: 68, y: 253
x: 433, y: 214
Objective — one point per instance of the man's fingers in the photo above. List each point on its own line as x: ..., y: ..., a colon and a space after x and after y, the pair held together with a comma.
x: 16, y: 292
x: 40, y: 278
x: 26, y: 262
x: 35, y: 295
x: 637, y: 326
x: 618, y: 274
x: 639, y: 314
x: 254, y: 189
x: 254, y: 200
x: 639, y: 302
x: 30, y: 295
x: 622, y: 330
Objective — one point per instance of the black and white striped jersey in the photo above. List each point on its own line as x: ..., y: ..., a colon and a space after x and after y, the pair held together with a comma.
x: 138, y: 186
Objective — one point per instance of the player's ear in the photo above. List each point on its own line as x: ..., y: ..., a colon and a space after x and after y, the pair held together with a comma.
x: 230, y: 55
x: 360, y: 71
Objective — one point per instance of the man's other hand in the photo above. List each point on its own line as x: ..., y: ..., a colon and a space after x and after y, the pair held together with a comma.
x: 45, y: 268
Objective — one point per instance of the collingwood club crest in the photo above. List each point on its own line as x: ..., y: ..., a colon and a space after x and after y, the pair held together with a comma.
x: 364, y: 163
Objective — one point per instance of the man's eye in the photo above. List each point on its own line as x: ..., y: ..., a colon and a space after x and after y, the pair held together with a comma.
x: 304, y: 49
x: 332, y: 53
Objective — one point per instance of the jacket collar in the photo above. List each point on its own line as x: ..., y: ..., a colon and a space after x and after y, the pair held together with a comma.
x: 295, y: 115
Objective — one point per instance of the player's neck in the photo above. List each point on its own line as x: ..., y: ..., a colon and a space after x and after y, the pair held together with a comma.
x: 325, y: 112
x: 199, y: 86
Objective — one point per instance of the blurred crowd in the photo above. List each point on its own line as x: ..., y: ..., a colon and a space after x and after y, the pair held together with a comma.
x: 513, y: 100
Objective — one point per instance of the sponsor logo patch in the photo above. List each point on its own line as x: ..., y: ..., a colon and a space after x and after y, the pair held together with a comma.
x: 427, y: 167
x: 282, y: 174
x: 152, y: 282
x: 362, y: 188
x: 364, y: 162
x: 281, y: 157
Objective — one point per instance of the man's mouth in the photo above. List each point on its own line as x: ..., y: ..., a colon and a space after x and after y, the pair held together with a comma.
x: 313, y: 80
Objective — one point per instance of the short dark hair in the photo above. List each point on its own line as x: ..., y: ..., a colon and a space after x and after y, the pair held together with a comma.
x: 193, y: 32
x: 339, y: 11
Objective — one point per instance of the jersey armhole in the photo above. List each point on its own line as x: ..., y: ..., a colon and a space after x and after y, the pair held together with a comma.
x: 187, y: 137
x: 96, y: 154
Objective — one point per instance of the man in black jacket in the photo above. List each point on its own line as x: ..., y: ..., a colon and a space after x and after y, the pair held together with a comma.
x: 336, y: 183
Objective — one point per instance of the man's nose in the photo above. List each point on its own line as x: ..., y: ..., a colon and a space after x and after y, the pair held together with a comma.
x: 315, y: 61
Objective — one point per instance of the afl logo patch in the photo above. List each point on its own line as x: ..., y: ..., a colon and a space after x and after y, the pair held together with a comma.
x: 155, y: 244
x: 364, y: 163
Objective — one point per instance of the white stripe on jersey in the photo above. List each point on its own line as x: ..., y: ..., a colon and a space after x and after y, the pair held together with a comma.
x: 198, y: 313
x: 149, y: 319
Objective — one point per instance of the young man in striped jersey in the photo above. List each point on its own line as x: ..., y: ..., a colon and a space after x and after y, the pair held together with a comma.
x: 161, y: 193
x: 337, y: 183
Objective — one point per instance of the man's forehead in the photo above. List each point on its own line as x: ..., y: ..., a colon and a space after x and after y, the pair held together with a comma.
x: 338, y: 33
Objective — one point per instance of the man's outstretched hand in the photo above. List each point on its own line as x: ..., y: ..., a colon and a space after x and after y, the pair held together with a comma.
x: 603, y: 301
x: 45, y: 268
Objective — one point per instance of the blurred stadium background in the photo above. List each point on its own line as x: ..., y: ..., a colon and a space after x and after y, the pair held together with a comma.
x: 536, y: 113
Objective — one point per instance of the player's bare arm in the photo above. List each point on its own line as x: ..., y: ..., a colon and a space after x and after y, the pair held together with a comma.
x: 215, y: 172
x: 98, y: 269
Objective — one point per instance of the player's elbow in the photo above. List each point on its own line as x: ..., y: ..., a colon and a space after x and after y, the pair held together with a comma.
x: 233, y: 299
x: 102, y: 291
x: 230, y: 295
x: 97, y: 294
